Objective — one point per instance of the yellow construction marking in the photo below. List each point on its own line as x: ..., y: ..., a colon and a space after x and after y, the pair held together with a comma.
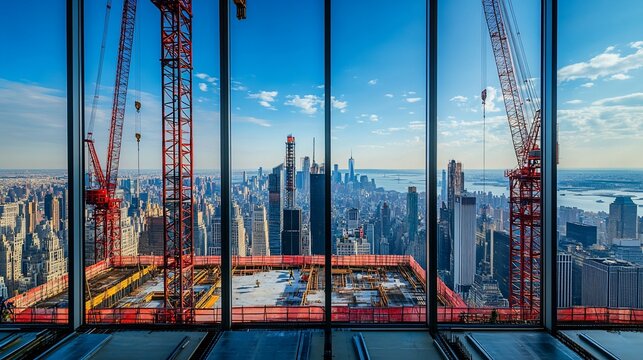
x: 208, y: 299
x: 100, y: 298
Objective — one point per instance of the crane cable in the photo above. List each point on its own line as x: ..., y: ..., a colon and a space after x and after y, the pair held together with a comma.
x: 137, y: 105
x: 99, y: 74
x: 92, y: 118
x: 483, y: 96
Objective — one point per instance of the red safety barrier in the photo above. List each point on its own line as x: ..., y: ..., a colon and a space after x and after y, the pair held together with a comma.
x: 454, y: 310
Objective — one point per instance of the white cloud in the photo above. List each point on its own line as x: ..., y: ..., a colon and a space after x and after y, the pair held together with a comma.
x: 587, y: 85
x: 238, y: 86
x: 374, y: 118
x: 252, y: 120
x: 203, y: 87
x: 604, y: 65
x: 619, y: 77
x: 493, y: 96
x: 307, y: 104
x: 417, y: 125
x: 372, y: 82
x: 340, y: 105
x: 634, y: 99
x: 459, y: 99
x: 574, y: 102
x: 411, y: 93
x: 206, y: 77
x: 413, y: 100
x: 266, y: 98
x: 388, y: 95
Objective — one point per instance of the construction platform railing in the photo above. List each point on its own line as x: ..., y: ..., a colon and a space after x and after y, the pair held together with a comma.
x: 452, y: 309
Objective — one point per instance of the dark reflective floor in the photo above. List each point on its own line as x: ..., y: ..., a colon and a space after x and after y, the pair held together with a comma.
x: 609, y: 345
x: 509, y: 345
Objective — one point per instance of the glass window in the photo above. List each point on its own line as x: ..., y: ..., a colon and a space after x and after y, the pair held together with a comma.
x: 379, y: 228
x: 151, y: 248
x: 277, y: 72
x: 489, y: 161
x: 33, y: 164
x: 600, y: 117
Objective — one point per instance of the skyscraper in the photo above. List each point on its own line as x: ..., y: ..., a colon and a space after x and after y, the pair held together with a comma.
x: 337, y: 176
x: 291, y: 234
x: 351, y: 168
x: 386, y: 220
x: 584, y: 234
x: 52, y: 211
x: 275, y: 209
x: 31, y: 216
x: 306, y: 175
x: 352, y: 218
x: 238, y: 232
x: 443, y: 193
x: 317, y: 214
x: 290, y: 173
x: 612, y: 283
x: 621, y: 223
x: 412, y: 213
x: 455, y: 183
x: 260, y: 246
x: 464, y: 252
x: 564, y: 264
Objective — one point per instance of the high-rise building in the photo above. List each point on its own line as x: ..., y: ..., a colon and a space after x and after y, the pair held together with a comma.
x: 290, y: 173
x: 275, y: 209
x: 52, y: 211
x: 317, y: 214
x: 352, y: 244
x: 260, y: 245
x: 444, y: 240
x: 306, y: 175
x: 464, y: 252
x: 443, y: 192
x: 351, y: 168
x: 584, y: 234
x: 200, y: 234
x: 32, y: 216
x: 337, y: 176
x: 54, y: 261
x: 386, y: 220
x: 291, y: 234
x: 621, y: 223
x: 352, y: 218
x: 412, y: 213
x: 565, y: 288
x: 238, y: 245
x: 500, y: 262
x: 455, y: 184
x: 214, y: 248
x: 612, y: 283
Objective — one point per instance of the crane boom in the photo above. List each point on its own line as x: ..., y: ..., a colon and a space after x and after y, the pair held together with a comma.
x: 524, y: 181
x: 105, y: 206
x: 507, y: 76
x: 125, y: 46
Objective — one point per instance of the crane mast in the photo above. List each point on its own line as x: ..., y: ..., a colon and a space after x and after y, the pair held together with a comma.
x: 106, y: 207
x: 176, y: 73
x: 524, y: 180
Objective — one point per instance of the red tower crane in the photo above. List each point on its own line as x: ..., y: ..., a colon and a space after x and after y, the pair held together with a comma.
x: 176, y: 73
x: 525, y: 179
x: 106, y: 207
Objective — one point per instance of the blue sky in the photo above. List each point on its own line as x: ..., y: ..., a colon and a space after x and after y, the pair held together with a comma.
x: 378, y: 71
